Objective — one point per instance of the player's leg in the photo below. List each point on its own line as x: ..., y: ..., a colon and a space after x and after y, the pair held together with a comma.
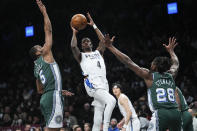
x: 163, y: 119
x: 187, y: 121
x: 174, y: 121
x: 98, y: 116
x: 106, y: 98
x: 55, y: 117
x: 158, y: 121
x: 136, y: 124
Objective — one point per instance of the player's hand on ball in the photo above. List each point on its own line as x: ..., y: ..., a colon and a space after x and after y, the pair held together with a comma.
x: 108, y: 41
x: 74, y: 30
x: 91, y: 23
x: 172, y: 44
x: 41, y: 6
x: 67, y: 93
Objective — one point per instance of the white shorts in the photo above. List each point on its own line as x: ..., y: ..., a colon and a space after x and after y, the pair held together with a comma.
x: 92, y: 84
x: 153, y: 122
x: 133, y: 125
x: 56, y: 118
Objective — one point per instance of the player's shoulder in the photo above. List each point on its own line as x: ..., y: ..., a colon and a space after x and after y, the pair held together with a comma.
x: 123, y: 97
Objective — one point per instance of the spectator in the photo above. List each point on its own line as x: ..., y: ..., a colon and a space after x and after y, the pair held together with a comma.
x: 87, y: 127
x: 27, y: 127
x: 113, y: 125
x: 69, y: 120
x: 76, y: 128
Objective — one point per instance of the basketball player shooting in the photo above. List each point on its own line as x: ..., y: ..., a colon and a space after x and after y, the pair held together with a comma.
x: 94, y: 71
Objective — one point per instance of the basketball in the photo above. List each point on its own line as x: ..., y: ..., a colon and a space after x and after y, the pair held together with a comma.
x: 79, y: 21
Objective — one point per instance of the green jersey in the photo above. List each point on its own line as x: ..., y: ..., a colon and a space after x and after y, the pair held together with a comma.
x: 183, y: 102
x: 162, y: 92
x: 48, y: 74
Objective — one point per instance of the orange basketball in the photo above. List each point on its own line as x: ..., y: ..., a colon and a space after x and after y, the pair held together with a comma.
x: 79, y: 21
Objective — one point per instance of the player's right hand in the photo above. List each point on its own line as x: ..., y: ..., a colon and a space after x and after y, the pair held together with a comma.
x: 107, y: 41
x: 41, y: 6
x: 172, y: 44
x: 75, y: 31
x: 67, y: 93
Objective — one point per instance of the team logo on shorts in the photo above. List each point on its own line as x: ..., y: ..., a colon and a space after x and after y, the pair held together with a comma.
x: 58, y: 119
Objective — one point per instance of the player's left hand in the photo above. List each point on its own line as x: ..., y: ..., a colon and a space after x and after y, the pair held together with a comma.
x: 172, y: 44
x: 67, y: 93
x: 91, y: 23
x: 107, y: 41
x: 41, y: 6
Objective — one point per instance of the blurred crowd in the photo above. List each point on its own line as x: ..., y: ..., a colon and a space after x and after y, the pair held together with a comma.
x: 140, y: 33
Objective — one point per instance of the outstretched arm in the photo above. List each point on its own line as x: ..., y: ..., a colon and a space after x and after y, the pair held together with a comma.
x: 175, y: 62
x: 47, y: 28
x: 141, y: 72
x: 75, y: 50
x: 101, y: 47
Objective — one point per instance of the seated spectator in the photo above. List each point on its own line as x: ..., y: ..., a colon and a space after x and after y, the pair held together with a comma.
x: 76, y: 128
x: 69, y: 120
x: 113, y: 125
x: 87, y: 127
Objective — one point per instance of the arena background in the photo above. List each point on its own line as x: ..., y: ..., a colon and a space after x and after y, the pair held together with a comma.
x: 140, y: 27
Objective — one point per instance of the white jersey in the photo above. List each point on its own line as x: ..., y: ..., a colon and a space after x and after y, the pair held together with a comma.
x: 92, y: 64
x: 123, y: 111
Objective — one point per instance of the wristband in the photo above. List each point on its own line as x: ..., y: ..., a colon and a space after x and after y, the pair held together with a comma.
x: 124, y: 126
x: 94, y: 26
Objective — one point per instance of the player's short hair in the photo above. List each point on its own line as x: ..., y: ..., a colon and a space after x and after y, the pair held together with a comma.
x: 117, y: 85
x: 32, y: 53
x: 85, y: 38
x: 162, y: 64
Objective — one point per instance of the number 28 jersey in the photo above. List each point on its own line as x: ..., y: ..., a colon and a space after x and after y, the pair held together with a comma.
x: 48, y: 74
x: 93, y: 65
x: 162, y: 92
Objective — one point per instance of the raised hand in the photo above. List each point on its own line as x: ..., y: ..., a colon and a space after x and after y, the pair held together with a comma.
x: 91, y: 23
x: 108, y: 41
x: 67, y: 93
x: 172, y: 44
x: 74, y: 30
x: 41, y: 6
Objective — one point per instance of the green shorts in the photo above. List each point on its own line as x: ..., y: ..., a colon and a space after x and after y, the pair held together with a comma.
x: 187, y: 121
x: 51, y: 104
x: 163, y: 119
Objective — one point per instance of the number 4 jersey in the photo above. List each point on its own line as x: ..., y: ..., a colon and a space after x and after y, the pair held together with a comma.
x: 92, y: 64
x: 48, y: 74
x: 162, y: 92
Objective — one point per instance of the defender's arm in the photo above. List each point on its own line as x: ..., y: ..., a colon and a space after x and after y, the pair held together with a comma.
x: 47, y: 28
x: 175, y: 62
x: 141, y: 72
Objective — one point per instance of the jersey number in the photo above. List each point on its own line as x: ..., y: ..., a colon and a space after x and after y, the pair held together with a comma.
x: 42, y: 77
x: 99, y: 64
x: 162, y: 95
